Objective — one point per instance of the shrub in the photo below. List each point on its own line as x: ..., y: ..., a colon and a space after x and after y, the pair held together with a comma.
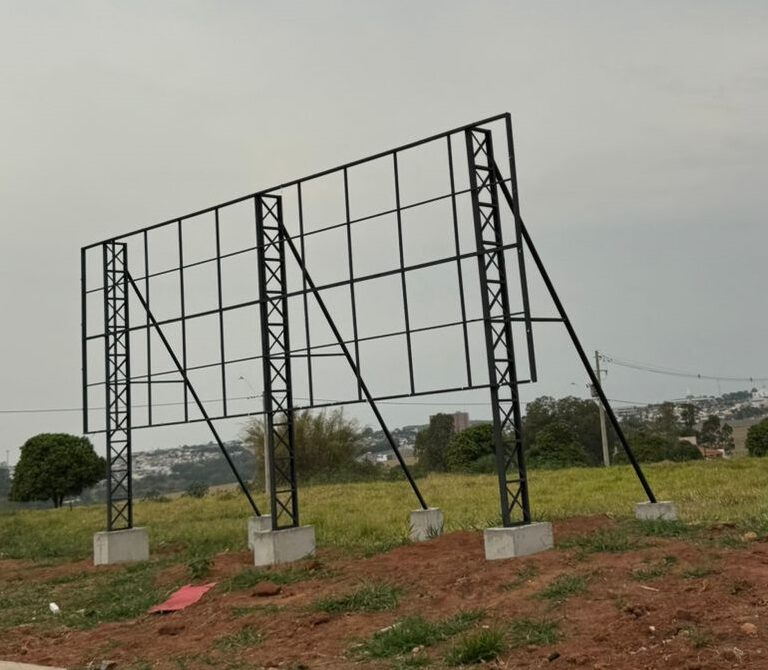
x: 555, y: 446
x: 197, y: 490
x: 468, y: 446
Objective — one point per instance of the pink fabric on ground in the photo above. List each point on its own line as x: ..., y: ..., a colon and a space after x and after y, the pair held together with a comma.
x: 184, y: 597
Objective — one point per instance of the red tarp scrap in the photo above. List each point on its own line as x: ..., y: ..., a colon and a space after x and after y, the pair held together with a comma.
x: 184, y: 597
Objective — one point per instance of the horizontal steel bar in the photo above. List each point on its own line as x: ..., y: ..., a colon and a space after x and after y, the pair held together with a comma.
x: 303, y: 352
x: 298, y: 408
x: 324, y: 287
x: 334, y: 226
x: 316, y: 175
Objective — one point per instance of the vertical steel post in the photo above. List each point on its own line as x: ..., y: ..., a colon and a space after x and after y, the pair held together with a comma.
x: 502, y: 371
x: 118, y: 387
x: 276, y: 361
x: 84, y: 336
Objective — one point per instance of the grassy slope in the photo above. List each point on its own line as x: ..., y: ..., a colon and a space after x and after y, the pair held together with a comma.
x: 372, y: 517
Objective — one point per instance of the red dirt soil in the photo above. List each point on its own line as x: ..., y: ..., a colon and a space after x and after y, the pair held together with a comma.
x: 674, y: 621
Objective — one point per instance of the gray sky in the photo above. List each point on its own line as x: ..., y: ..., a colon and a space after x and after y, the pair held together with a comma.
x: 640, y: 136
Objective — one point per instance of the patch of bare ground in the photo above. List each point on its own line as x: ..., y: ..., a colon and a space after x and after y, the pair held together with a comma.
x: 666, y: 602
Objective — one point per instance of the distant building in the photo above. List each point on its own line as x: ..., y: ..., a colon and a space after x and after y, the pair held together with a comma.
x: 460, y: 421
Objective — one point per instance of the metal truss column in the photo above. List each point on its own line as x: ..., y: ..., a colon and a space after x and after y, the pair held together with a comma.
x: 118, y: 388
x: 502, y: 371
x: 275, y: 348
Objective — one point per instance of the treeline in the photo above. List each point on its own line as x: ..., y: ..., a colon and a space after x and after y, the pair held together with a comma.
x: 565, y: 432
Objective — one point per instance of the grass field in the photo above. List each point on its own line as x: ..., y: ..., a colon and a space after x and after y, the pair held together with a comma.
x: 369, y: 518
x: 376, y: 612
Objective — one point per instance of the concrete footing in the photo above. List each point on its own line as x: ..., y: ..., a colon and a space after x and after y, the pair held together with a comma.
x: 271, y: 547
x: 426, y: 524
x: 518, y: 540
x: 648, y: 511
x: 120, y: 546
x: 258, y: 524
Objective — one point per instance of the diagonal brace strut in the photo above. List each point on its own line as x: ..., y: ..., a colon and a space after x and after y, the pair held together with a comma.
x: 192, y: 392
x: 345, y: 349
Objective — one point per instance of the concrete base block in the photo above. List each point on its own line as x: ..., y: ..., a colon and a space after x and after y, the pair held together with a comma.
x: 120, y: 546
x: 426, y: 524
x: 283, y: 546
x: 258, y: 524
x: 518, y: 540
x: 648, y: 511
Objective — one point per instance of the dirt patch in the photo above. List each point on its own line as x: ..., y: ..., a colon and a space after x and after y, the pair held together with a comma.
x: 665, y: 603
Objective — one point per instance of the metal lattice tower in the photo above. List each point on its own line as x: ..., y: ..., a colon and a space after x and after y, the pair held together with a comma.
x: 502, y: 371
x: 118, y: 390
x: 278, y: 395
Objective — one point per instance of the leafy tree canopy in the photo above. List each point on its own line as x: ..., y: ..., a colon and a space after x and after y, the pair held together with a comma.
x: 581, y: 416
x: 652, y: 447
x: 324, y: 442
x: 5, y: 481
x: 466, y: 447
x: 716, y: 434
x: 666, y: 422
x: 757, y: 439
x: 432, y: 442
x: 55, y: 465
x: 556, y: 446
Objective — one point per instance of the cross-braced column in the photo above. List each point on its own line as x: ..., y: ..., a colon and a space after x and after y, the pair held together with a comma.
x: 118, y: 389
x: 278, y: 396
x: 502, y: 372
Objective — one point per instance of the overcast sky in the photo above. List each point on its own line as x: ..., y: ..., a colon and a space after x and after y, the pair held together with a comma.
x: 641, y: 143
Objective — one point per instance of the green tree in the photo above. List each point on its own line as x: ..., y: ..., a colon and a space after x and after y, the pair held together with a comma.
x: 757, y: 439
x: 710, y: 430
x: 466, y: 447
x: 55, y: 465
x: 556, y: 446
x: 652, y: 447
x: 688, y: 417
x: 666, y: 422
x: 432, y: 442
x: 582, y: 416
x: 725, y: 438
x: 324, y: 443
x: 5, y: 481
x: 682, y: 450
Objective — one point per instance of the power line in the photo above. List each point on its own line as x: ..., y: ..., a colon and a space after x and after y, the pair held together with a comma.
x: 671, y: 372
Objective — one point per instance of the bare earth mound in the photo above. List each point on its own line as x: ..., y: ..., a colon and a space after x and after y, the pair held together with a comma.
x: 610, y: 596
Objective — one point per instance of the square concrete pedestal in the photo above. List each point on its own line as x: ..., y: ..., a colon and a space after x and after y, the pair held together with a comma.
x: 258, y: 524
x: 648, y: 511
x: 120, y: 546
x: 426, y: 524
x: 517, y: 541
x: 271, y: 547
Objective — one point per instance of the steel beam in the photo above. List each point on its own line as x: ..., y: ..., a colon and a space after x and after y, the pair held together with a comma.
x: 276, y: 363
x: 118, y: 387
x: 502, y: 370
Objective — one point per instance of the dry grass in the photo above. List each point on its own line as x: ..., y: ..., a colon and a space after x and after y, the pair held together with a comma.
x: 373, y: 517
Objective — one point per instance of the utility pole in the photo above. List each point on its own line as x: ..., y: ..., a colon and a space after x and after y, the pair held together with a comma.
x: 266, y: 441
x: 603, y: 431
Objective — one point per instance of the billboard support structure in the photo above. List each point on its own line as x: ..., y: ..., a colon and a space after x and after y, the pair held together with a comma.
x: 282, y: 239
